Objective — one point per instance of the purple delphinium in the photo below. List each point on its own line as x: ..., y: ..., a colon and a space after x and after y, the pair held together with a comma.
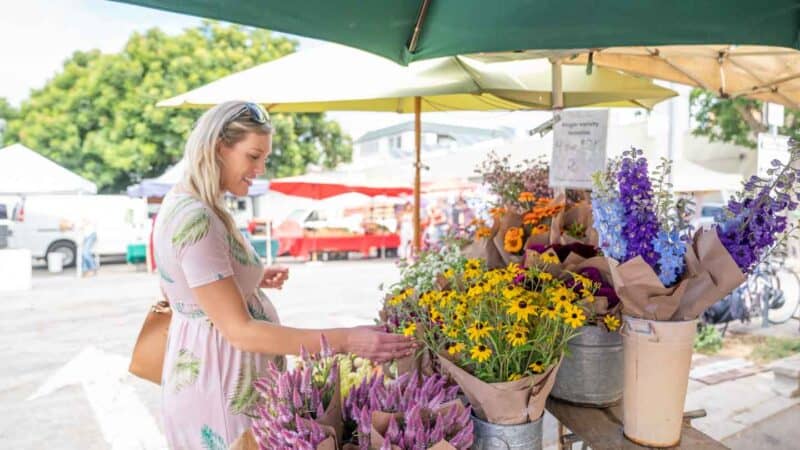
x: 756, y: 216
x: 636, y: 194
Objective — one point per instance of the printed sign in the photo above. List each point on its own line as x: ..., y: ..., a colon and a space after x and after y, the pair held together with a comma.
x: 579, y: 148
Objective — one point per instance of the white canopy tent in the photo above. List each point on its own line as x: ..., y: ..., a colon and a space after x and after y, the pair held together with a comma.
x: 26, y: 172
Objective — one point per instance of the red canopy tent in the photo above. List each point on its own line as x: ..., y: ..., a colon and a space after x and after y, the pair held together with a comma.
x: 320, y: 187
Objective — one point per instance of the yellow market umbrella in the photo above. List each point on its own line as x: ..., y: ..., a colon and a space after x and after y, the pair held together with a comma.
x: 770, y: 74
x: 337, y: 78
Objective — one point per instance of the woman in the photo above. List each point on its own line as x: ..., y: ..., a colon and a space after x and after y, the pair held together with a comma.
x: 224, y: 330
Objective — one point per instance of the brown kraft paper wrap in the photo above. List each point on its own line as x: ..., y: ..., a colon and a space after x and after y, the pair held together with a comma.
x: 580, y: 213
x: 508, y: 403
x: 706, y: 280
x: 332, y: 416
x: 509, y: 220
x: 485, y: 249
x: 717, y: 276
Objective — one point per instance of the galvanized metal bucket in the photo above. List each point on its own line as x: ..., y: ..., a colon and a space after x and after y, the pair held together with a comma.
x: 592, y: 374
x: 488, y: 436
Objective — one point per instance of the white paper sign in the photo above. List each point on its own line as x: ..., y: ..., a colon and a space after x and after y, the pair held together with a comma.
x: 579, y: 148
x: 770, y: 147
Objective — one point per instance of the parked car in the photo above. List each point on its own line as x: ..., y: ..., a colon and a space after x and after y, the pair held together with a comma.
x: 706, y: 214
x: 52, y: 223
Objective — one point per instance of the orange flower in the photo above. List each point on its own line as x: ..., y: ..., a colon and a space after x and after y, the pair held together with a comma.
x: 483, y: 232
x: 543, y: 201
x: 531, y: 218
x: 497, y: 212
x: 526, y: 197
x: 512, y: 241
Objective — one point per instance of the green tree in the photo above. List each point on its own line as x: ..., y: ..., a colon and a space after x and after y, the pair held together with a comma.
x: 97, y: 116
x: 7, y: 110
x: 736, y: 120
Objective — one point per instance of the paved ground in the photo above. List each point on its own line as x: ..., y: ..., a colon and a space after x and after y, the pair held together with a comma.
x: 64, y: 348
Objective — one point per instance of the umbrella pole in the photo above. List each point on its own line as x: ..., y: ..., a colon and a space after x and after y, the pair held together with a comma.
x: 417, y: 164
x: 557, y: 101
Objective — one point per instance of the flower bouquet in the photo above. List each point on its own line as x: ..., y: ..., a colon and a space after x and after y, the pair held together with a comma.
x: 500, y: 334
x: 666, y: 275
x: 412, y: 412
x: 300, y: 408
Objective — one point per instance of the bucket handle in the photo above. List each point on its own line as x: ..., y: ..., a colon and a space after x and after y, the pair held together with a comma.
x: 650, y: 330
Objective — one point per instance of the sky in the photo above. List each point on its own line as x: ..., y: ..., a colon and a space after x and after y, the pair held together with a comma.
x: 37, y: 36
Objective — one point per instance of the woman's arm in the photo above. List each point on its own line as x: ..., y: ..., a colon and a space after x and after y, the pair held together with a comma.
x: 223, y: 303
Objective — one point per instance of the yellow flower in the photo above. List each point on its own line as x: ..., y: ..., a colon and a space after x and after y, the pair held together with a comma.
x: 450, y: 331
x: 446, y: 298
x: 540, y: 229
x: 470, y: 274
x: 410, y: 329
x: 575, y: 317
x: 436, y: 316
x: 587, y: 295
x: 563, y: 295
x: 526, y: 197
x: 514, y: 377
x: 483, y: 232
x: 449, y: 273
x: 480, y: 353
x: 544, y: 276
x: 550, y: 257
x: 550, y: 311
x: 453, y: 348
x: 512, y: 241
x: 522, y: 308
x: 537, y: 367
x: 612, y: 323
x: 479, y: 330
x: 396, y: 300
x: 584, y: 282
x: 473, y: 264
x: 517, y: 337
x: 511, y: 292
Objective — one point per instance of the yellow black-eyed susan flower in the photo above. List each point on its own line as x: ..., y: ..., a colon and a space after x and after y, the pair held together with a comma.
x: 612, y: 323
x: 522, y: 308
x: 480, y: 353
x: 516, y: 337
x: 410, y: 329
x: 575, y: 317
x: 537, y: 367
x: 479, y: 330
x: 454, y: 347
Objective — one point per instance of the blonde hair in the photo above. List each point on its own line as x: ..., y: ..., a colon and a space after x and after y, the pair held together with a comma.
x: 226, y: 123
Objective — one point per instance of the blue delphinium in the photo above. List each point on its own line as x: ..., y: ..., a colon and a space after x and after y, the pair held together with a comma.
x: 641, y: 226
x: 607, y: 213
x: 670, y: 247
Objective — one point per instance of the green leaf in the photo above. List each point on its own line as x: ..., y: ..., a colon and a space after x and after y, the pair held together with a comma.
x: 245, y: 394
x: 186, y: 369
x: 194, y: 227
x: 211, y: 440
x: 241, y: 254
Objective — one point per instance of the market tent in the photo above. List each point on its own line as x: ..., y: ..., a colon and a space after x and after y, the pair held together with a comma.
x: 158, y: 187
x: 25, y: 172
x: 406, y: 31
x: 318, y: 187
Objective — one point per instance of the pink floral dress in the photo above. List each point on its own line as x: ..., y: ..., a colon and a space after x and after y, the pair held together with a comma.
x: 207, y: 384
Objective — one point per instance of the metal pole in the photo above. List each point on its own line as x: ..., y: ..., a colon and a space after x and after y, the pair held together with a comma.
x: 557, y: 101
x: 417, y: 166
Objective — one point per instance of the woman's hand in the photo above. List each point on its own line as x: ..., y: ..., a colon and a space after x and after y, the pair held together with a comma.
x: 372, y: 342
x: 274, y: 277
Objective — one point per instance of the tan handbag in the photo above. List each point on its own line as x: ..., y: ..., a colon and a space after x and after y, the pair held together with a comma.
x: 147, y: 360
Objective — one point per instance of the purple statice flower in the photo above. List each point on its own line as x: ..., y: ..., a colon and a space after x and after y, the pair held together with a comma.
x: 670, y: 248
x: 640, y: 227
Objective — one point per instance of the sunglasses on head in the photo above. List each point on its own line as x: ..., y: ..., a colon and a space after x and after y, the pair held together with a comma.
x: 254, y: 112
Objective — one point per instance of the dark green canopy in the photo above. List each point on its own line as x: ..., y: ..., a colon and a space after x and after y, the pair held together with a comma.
x: 454, y: 27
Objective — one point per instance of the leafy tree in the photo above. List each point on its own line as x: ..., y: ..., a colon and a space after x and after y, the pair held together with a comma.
x: 97, y: 116
x: 7, y: 110
x: 735, y: 120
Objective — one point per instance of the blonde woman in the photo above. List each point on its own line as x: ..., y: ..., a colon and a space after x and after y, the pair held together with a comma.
x: 224, y: 329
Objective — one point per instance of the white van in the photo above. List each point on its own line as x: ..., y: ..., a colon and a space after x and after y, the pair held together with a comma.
x: 52, y: 223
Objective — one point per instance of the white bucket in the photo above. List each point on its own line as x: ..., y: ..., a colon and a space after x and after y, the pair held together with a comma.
x: 657, y: 358
x: 55, y: 262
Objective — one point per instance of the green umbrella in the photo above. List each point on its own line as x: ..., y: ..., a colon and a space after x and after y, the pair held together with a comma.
x: 409, y: 30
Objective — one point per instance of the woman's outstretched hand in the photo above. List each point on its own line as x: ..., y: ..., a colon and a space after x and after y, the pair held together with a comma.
x: 372, y: 342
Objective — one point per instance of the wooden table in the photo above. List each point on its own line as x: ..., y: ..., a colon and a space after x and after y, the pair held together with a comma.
x: 601, y: 429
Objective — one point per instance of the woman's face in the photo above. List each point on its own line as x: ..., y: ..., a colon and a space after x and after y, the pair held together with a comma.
x: 243, y: 162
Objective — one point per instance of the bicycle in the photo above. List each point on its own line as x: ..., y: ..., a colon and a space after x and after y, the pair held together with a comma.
x: 772, y: 291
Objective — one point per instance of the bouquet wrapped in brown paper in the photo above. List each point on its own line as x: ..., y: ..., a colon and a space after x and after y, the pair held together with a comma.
x: 586, y: 264
x: 574, y: 225
x: 413, y: 411
x: 661, y: 270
